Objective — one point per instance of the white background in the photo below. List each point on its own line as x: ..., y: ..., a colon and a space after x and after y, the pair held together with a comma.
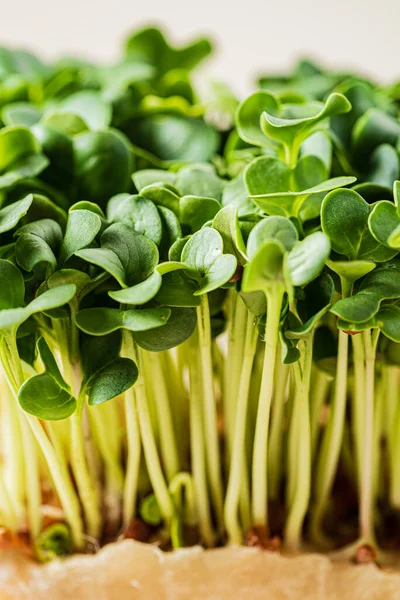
x: 251, y: 35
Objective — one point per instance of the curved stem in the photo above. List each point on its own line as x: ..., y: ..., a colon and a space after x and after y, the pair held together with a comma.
x: 31, y: 465
x: 366, y: 489
x: 182, y: 484
x: 197, y: 445
x: 301, y: 496
x: 238, y: 463
x: 236, y: 338
x: 275, y: 448
x: 153, y: 463
x: 87, y: 490
x: 133, y: 457
x: 319, y: 394
x: 358, y: 400
x: 328, y: 457
x: 260, y: 452
x: 169, y: 449
x: 210, y: 409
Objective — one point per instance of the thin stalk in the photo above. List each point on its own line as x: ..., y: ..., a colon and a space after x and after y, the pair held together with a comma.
x: 153, y: 463
x: 394, y: 439
x: 63, y: 484
x: 378, y: 436
x: 236, y: 336
x: 366, y: 489
x: 178, y: 403
x: 275, y: 448
x: 112, y: 464
x: 8, y: 512
x: 301, y: 496
x: 210, y: 408
x: 328, y: 456
x: 13, y: 465
x: 84, y: 481
x: 133, y: 457
x: 358, y: 400
x: 182, y: 491
x: 238, y: 463
x: 294, y: 415
x: 169, y: 449
x: 260, y: 452
x: 319, y: 395
x: 31, y: 464
x: 197, y: 444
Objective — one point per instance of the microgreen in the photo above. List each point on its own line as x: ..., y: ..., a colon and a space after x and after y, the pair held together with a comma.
x: 199, y: 301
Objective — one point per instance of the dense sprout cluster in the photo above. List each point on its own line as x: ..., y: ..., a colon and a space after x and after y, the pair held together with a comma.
x: 199, y: 305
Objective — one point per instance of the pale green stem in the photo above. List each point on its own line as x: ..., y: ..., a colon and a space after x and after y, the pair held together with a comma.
x: 63, y: 485
x: 13, y: 459
x: 319, y: 395
x: 275, y: 448
x: 182, y: 491
x: 169, y: 449
x: 31, y: 463
x: 84, y: 482
x: 260, y: 452
x: 233, y: 363
x: 328, y: 457
x: 394, y: 436
x: 210, y: 409
x: 238, y: 463
x: 197, y: 444
x: 133, y: 457
x: 366, y: 489
x: 358, y: 400
x: 378, y: 436
x: 150, y: 450
x: 114, y: 477
x: 301, y: 497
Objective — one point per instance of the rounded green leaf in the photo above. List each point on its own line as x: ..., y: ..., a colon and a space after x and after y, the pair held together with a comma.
x: 12, y: 286
x: 307, y: 258
x: 248, y: 116
x: 101, y: 321
x: 203, y: 254
x: 91, y: 107
x: 13, y: 213
x: 42, y: 397
x: 272, y: 228
x: 180, y: 326
x: 142, y: 215
x: 384, y: 224
x: 141, y: 292
x: 103, y: 164
x: 82, y: 228
x: 16, y: 142
x: 344, y: 218
x: 111, y: 381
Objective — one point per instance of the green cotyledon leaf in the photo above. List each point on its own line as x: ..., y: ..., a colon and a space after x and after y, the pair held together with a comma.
x: 344, y: 219
x: 101, y: 321
x: 272, y: 228
x: 128, y: 256
x: 291, y: 132
x: 111, y: 381
x: 307, y: 258
x: 387, y: 320
x: 47, y: 396
x: 248, y: 115
x: 381, y: 284
x: 384, y: 224
x: 209, y: 266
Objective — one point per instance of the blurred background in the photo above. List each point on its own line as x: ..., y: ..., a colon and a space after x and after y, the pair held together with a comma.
x: 251, y: 35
